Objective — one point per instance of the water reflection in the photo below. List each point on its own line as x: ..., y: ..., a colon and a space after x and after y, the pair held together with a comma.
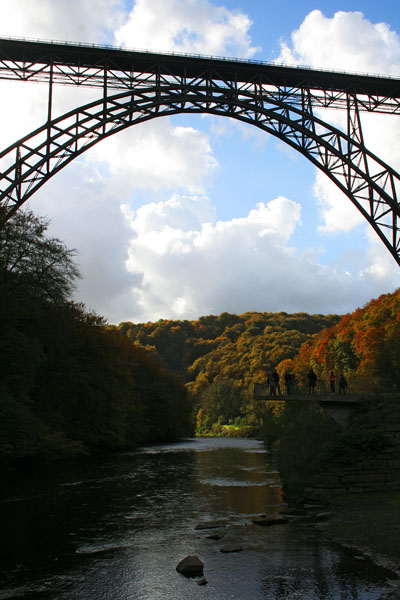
x: 115, y: 528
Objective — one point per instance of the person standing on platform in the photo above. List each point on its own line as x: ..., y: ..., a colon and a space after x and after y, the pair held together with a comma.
x: 275, y: 377
x: 289, y: 383
x: 272, y: 385
x: 342, y: 384
x: 312, y: 381
x: 332, y: 381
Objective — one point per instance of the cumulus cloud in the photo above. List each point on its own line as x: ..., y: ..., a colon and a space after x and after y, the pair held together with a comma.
x: 154, y: 156
x: 74, y: 20
x: 337, y: 211
x: 87, y: 218
x: 193, y: 265
x: 187, y: 26
x: 348, y: 41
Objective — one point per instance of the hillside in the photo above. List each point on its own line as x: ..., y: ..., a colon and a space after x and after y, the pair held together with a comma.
x: 241, y: 348
x: 221, y: 357
x: 364, y: 345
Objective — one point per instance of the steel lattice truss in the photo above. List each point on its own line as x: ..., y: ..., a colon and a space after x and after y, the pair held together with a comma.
x: 258, y: 97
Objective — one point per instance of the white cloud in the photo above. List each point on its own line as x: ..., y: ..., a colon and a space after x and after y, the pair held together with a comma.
x: 24, y: 107
x: 194, y: 26
x: 380, y: 261
x: 180, y: 213
x: 156, y: 155
x: 173, y: 259
x: 192, y: 265
x: 348, y: 41
x: 85, y: 217
x: 337, y: 210
x: 71, y: 20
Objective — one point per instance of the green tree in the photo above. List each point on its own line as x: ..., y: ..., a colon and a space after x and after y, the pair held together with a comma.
x: 222, y: 400
x: 32, y: 263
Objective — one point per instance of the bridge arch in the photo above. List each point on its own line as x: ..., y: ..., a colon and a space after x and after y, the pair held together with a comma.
x: 372, y: 185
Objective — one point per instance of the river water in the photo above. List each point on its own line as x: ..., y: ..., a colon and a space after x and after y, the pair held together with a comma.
x: 115, y: 528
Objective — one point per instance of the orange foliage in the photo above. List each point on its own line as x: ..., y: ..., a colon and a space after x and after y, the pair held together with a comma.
x: 364, y: 345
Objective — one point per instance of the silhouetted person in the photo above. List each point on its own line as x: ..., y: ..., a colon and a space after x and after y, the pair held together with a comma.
x: 332, y: 381
x: 275, y: 377
x: 312, y: 381
x: 289, y: 383
x: 342, y: 384
x: 272, y: 385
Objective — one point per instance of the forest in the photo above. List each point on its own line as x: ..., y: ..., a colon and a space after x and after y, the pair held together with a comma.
x: 70, y: 384
x: 221, y: 357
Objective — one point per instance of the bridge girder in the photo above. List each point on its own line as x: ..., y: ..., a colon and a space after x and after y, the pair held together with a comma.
x: 285, y: 111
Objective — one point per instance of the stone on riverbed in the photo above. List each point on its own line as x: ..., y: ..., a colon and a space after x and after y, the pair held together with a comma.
x: 202, y: 581
x: 214, y: 536
x: 230, y: 548
x: 271, y: 520
x: 209, y: 525
x: 323, y: 516
x: 191, y: 566
x: 294, y: 512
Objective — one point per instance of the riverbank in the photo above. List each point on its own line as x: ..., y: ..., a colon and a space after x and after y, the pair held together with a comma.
x: 370, y: 524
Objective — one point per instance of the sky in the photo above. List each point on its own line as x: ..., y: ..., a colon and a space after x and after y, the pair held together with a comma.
x: 188, y: 215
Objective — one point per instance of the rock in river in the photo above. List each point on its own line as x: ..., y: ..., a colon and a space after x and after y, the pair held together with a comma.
x: 190, y: 566
x: 210, y: 525
x: 230, y: 548
x: 214, y: 536
x: 270, y: 520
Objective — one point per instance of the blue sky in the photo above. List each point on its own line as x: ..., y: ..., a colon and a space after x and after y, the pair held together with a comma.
x: 274, y: 21
x: 187, y: 216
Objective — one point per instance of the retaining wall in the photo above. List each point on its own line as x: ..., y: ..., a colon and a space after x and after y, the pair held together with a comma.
x: 369, y: 472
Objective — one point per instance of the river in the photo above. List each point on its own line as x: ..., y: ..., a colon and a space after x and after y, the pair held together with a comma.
x: 114, y: 528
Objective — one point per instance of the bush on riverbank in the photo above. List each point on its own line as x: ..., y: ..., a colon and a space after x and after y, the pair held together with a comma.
x: 221, y: 430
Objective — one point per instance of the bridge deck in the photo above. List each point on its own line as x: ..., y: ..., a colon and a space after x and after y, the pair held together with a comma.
x: 340, y: 399
x: 81, y: 55
x: 339, y: 407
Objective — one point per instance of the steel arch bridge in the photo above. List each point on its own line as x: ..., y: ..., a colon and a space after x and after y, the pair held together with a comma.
x: 139, y: 86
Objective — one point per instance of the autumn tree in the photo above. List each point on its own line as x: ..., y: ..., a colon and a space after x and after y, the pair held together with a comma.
x: 363, y: 345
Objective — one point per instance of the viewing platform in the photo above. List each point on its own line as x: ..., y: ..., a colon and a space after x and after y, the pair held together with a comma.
x: 338, y: 406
